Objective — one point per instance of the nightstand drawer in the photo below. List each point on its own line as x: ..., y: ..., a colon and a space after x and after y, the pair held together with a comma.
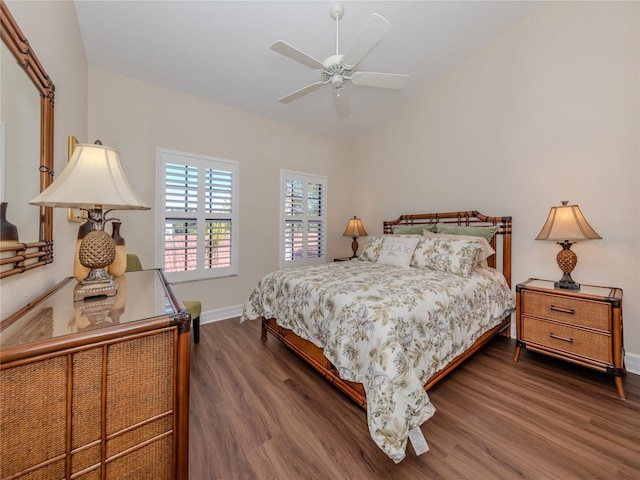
x: 567, y: 339
x: 581, y: 312
x: 581, y: 326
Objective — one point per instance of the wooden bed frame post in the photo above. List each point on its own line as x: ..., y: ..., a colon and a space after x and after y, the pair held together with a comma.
x: 506, y: 249
x: 263, y: 335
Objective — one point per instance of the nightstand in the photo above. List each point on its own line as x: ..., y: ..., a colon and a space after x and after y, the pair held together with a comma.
x: 342, y: 259
x: 581, y: 326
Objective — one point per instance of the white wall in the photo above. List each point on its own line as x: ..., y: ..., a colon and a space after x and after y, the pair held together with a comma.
x: 547, y: 112
x: 53, y: 33
x: 136, y: 118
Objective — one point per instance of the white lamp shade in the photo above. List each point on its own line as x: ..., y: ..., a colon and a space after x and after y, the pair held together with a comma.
x: 355, y: 228
x: 93, y: 178
x: 567, y: 223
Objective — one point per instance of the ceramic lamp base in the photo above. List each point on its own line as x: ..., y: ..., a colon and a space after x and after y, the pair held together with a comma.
x: 567, y: 261
x: 566, y: 284
x: 354, y: 247
x: 96, y: 252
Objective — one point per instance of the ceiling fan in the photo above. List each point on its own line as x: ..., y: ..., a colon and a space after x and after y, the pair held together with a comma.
x: 336, y: 70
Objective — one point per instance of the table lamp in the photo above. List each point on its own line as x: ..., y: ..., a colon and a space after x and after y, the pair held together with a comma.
x: 566, y: 225
x: 354, y: 229
x: 93, y: 181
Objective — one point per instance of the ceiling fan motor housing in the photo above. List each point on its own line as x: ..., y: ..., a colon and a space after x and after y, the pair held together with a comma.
x: 334, y: 71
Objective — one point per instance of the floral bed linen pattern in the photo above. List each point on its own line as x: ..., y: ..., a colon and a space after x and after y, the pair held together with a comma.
x: 386, y: 327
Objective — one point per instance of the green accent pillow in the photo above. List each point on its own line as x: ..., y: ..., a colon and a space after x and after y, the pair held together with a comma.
x: 485, y: 232
x: 413, y: 229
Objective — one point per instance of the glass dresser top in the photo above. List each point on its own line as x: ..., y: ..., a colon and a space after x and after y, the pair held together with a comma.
x: 141, y: 295
x: 584, y: 289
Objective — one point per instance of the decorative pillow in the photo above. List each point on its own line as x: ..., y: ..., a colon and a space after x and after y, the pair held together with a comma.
x: 371, y: 249
x: 397, y: 250
x: 485, y: 232
x: 483, y: 254
x: 450, y: 255
x: 412, y: 229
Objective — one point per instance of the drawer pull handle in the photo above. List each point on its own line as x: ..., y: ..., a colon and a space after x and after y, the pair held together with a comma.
x: 570, y: 311
x: 564, y: 339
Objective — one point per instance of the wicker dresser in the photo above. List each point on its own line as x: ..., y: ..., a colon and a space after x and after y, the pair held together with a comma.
x: 582, y: 326
x: 97, y: 389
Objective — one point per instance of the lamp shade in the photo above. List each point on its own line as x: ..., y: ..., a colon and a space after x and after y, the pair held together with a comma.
x: 355, y: 228
x: 93, y: 178
x: 567, y: 223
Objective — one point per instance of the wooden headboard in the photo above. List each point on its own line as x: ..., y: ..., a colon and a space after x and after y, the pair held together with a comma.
x: 467, y: 219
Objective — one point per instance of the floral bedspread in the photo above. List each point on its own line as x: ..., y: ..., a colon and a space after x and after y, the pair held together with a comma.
x: 386, y: 327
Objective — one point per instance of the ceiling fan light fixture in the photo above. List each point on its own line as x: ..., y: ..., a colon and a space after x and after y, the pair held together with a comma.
x: 337, y: 81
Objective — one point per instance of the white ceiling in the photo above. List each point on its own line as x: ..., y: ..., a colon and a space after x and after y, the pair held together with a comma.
x: 219, y: 50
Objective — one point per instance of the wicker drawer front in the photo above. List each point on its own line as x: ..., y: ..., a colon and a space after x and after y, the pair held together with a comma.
x: 576, y: 341
x: 581, y: 312
x: 33, y: 400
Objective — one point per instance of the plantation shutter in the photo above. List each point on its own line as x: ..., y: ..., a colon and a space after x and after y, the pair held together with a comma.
x: 218, y: 208
x: 181, y: 222
x: 198, y: 216
x: 303, y: 214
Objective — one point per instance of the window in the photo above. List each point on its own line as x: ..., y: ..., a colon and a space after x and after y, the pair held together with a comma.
x: 303, y: 218
x: 197, y: 216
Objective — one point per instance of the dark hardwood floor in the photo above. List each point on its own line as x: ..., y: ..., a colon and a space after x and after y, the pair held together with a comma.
x: 258, y: 412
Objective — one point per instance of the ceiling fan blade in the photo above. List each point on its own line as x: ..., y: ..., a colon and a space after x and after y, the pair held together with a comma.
x: 293, y: 53
x: 341, y: 100
x: 302, y: 92
x: 373, y: 31
x: 382, y: 80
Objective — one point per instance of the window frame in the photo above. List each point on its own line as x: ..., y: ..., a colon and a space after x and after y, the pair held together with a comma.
x: 306, y: 178
x: 200, y: 162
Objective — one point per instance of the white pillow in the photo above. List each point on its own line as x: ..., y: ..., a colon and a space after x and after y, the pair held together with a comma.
x: 397, y: 250
x: 483, y: 254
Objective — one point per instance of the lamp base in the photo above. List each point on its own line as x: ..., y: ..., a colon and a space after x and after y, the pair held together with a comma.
x: 567, y: 261
x: 354, y: 247
x: 566, y: 285
x: 86, y: 289
x: 97, y: 251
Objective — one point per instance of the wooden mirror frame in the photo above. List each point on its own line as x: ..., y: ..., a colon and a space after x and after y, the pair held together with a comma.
x: 28, y: 256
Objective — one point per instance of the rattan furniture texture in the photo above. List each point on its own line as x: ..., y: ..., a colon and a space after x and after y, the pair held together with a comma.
x: 97, y: 389
x: 581, y: 326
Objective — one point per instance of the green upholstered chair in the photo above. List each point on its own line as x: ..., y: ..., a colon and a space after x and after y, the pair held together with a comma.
x: 133, y: 263
x: 193, y: 306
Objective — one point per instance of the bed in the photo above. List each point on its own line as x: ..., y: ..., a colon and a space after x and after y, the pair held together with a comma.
x: 384, y: 329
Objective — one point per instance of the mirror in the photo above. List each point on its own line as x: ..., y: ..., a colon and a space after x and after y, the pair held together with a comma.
x: 20, y: 117
x: 26, y: 150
